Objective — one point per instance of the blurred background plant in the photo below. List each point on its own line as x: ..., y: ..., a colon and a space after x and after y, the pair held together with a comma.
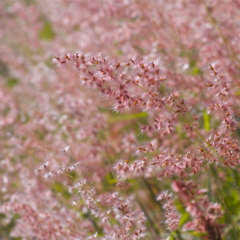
x: 135, y: 135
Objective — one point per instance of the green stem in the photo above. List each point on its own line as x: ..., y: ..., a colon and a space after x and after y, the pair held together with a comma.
x: 156, y: 231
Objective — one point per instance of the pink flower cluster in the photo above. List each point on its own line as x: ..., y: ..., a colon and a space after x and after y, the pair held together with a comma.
x: 203, y: 212
x: 145, y: 100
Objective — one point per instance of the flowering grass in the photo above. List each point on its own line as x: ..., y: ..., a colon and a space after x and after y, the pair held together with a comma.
x: 119, y: 120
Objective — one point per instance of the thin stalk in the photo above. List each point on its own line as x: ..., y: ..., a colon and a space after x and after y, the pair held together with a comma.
x: 155, y: 230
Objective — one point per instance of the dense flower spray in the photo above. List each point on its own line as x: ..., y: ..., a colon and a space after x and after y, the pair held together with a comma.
x: 132, y: 132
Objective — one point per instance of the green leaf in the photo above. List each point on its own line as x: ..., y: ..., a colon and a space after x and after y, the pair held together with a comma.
x: 12, y: 82
x: 195, y: 71
x: 47, y: 32
x: 60, y: 188
x: 238, y: 131
x: 185, y: 217
x: 126, y: 117
x: 237, y: 93
x: 110, y: 180
x: 206, y: 120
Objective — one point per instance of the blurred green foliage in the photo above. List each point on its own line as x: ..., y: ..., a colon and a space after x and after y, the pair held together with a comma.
x: 47, y: 32
x: 7, y: 225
